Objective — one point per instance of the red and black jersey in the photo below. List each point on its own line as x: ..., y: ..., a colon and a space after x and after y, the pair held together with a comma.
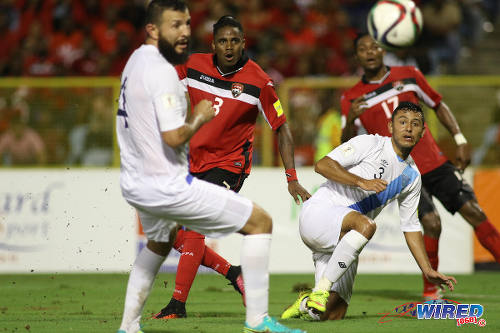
x: 238, y: 97
x: 400, y: 84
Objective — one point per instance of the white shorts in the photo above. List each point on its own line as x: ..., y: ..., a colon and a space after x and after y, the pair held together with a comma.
x: 320, y: 223
x: 343, y: 286
x: 203, y: 207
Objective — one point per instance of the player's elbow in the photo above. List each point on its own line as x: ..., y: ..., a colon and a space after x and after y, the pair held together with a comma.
x: 322, y: 165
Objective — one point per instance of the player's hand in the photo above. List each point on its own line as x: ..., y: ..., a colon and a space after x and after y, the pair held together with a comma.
x: 463, y: 156
x: 204, y: 110
x: 297, y: 190
x: 376, y: 185
x: 358, y: 106
x: 441, y: 280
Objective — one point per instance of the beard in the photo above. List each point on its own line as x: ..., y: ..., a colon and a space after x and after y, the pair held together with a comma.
x: 168, y: 51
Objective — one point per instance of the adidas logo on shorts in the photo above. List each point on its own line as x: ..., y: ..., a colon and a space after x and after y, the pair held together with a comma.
x: 342, y: 264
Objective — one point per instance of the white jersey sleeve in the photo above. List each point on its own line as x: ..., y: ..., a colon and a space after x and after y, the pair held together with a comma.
x: 163, y: 84
x: 355, y: 150
x: 408, y: 204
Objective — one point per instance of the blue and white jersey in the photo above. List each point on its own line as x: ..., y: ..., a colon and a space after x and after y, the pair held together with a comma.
x: 373, y: 156
x: 152, y: 101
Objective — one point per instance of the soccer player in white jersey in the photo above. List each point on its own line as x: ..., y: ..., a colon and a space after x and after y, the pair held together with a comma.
x: 364, y: 175
x: 152, y: 133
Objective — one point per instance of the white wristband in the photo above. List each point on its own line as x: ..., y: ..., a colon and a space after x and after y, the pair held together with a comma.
x: 460, y: 139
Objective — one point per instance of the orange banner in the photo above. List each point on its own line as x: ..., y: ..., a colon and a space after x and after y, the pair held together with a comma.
x: 487, y: 188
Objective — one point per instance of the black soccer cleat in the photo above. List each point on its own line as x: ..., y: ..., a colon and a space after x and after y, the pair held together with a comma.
x: 236, y: 278
x: 174, y: 310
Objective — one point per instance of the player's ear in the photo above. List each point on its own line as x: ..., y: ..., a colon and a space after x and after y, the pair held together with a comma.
x: 152, y: 31
x: 389, y: 126
x: 213, y: 46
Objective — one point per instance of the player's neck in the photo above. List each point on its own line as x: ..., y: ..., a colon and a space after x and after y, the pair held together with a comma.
x: 377, y: 74
x: 402, y: 152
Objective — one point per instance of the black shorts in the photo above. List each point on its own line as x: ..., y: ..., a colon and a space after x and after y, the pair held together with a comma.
x: 447, y: 185
x: 221, y: 177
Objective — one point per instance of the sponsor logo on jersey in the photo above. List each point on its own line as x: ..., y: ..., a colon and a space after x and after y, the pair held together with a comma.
x: 398, y: 85
x: 278, y: 107
x: 207, y: 78
x: 347, y: 149
x: 236, y: 89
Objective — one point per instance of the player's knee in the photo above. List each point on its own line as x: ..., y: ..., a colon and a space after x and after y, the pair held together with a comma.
x: 472, y: 212
x: 431, y: 223
x: 260, y: 222
x: 366, y: 227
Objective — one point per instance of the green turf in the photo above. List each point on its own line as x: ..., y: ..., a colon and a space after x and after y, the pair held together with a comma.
x: 93, y: 303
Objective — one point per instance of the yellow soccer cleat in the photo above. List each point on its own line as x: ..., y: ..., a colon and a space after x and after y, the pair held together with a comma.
x: 293, y: 311
x: 317, y: 300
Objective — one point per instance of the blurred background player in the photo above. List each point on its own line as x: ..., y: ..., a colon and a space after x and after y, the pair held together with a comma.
x: 337, y: 222
x: 370, y: 103
x: 221, y: 151
x: 152, y: 134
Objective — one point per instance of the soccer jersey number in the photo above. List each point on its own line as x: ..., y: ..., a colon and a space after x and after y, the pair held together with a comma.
x: 122, y: 103
x: 217, y: 105
x: 385, y: 105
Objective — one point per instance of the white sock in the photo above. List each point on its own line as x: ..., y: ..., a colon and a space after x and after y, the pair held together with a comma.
x: 344, y: 254
x: 255, y: 267
x: 140, y: 281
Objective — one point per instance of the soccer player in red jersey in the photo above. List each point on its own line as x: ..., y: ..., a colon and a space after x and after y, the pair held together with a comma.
x: 370, y: 103
x: 221, y: 151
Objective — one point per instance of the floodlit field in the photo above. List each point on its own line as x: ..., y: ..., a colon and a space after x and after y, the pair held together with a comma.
x: 93, y: 303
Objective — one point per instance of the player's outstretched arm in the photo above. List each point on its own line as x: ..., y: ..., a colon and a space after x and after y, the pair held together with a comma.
x: 415, y: 243
x: 332, y: 170
x: 202, y: 113
x: 356, y: 109
x: 287, y: 156
x: 448, y: 120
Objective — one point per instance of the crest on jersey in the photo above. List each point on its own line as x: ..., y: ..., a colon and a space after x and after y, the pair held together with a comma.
x: 398, y: 85
x: 236, y: 89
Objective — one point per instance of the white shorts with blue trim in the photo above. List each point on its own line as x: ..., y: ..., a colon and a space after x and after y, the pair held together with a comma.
x: 163, y: 202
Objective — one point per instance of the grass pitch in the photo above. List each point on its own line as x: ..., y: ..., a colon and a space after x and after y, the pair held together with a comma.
x: 94, y: 303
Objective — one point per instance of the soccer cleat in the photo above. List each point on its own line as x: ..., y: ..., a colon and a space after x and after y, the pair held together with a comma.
x: 237, y: 281
x: 174, y: 310
x: 138, y: 329
x: 317, y: 300
x: 122, y: 331
x: 270, y: 325
x: 293, y: 311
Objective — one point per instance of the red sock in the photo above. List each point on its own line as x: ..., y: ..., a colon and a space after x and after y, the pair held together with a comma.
x: 214, y: 261
x: 489, y: 237
x: 193, y: 249
x: 431, y: 247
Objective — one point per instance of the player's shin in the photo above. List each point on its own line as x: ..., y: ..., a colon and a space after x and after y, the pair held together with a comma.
x: 254, y: 264
x: 141, y: 279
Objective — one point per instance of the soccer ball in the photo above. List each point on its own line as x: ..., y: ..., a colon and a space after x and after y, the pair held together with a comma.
x: 395, y: 24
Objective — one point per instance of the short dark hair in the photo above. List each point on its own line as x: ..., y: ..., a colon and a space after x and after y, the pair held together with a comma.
x: 408, y: 106
x: 227, y: 21
x: 156, y: 7
x: 358, y: 37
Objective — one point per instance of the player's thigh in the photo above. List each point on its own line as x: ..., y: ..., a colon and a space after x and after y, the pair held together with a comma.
x: 203, y: 207
x: 156, y: 228
x: 448, y: 186
x: 320, y: 223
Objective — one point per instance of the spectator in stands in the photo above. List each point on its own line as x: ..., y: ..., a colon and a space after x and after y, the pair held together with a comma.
x: 442, y: 19
x: 20, y: 144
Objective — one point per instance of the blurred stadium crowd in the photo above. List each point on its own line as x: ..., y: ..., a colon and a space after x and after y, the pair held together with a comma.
x: 287, y: 38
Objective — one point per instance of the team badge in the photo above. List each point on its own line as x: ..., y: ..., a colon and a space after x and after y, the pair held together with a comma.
x: 398, y: 85
x: 236, y: 89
